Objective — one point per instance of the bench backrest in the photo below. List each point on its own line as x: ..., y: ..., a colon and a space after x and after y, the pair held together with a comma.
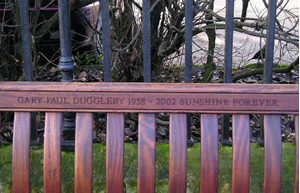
x: 147, y: 99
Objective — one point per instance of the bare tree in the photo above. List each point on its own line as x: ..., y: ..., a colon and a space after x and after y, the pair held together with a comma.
x: 167, y: 33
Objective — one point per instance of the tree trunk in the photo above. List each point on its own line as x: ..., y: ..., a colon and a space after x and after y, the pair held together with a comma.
x: 210, y: 66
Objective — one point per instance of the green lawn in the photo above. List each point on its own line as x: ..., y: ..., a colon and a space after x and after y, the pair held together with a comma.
x: 225, y: 167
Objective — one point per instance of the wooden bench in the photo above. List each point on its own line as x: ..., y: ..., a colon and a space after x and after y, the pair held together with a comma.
x: 147, y: 99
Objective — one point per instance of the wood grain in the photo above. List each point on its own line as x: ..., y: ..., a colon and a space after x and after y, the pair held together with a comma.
x: 149, y: 87
x: 178, y: 153
x: 84, y: 153
x: 272, y: 164
x: 116, y: 97
x: 241, y: 154
x: 115, y: 153
x: 52, y: 152
x: 296, y: 189
x: 21, y: 153
x: 209, y: 153
x: 146, y: 153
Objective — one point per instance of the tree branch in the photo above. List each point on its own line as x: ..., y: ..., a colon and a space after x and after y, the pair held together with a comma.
x: 74, y: 4
x: 261, y: 71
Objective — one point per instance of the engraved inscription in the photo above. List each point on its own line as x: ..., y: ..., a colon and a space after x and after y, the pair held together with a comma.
x: 57, y: 100
x: 254, y: 102
x: 136, y: 101
x: 30, y: 100
x: 166, y: 101
x: 156, y: 101
x: 98, y: 100
x: 204, y: 101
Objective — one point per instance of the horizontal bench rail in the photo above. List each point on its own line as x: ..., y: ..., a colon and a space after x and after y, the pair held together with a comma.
x: 149, y: 97
x: 149, y: 87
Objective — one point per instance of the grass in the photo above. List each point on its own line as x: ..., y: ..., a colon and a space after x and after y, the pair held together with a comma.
x: 162, y: 166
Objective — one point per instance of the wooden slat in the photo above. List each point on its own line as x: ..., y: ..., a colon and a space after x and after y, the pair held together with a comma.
x: 209, y: 153
x: 115, y: 152
x: 146, y: 153
x: 52, y: 152
x: 84, y: 153
x: 178, y: 153
x: 296, y: 189
x: 241, y: 154
x: 272, y: 164
x: 21, y: 153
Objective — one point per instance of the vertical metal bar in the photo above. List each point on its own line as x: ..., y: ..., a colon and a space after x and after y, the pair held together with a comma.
x: 26, y: 40
x: 228, y: 62
x: 66, y: 66
x: 270, y: 42
x: 188, y: 40
x: 27, y: 54
x: 106, y: 41
x: 147, y: 40
x: 228, y: 41
x: 188, y: 33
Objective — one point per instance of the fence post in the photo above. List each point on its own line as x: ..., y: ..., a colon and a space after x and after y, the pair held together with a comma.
x: 66, y: 66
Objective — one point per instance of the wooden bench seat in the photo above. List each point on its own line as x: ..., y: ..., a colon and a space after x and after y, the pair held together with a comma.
x: 146, y: 99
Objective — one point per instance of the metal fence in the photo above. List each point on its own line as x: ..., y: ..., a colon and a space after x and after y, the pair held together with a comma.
x: 66, y: 65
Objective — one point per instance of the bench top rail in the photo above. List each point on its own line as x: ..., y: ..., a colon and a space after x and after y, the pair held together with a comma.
x: 149, y: 97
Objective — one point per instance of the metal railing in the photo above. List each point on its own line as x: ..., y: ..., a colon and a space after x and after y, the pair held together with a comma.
x: 66, y: 65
